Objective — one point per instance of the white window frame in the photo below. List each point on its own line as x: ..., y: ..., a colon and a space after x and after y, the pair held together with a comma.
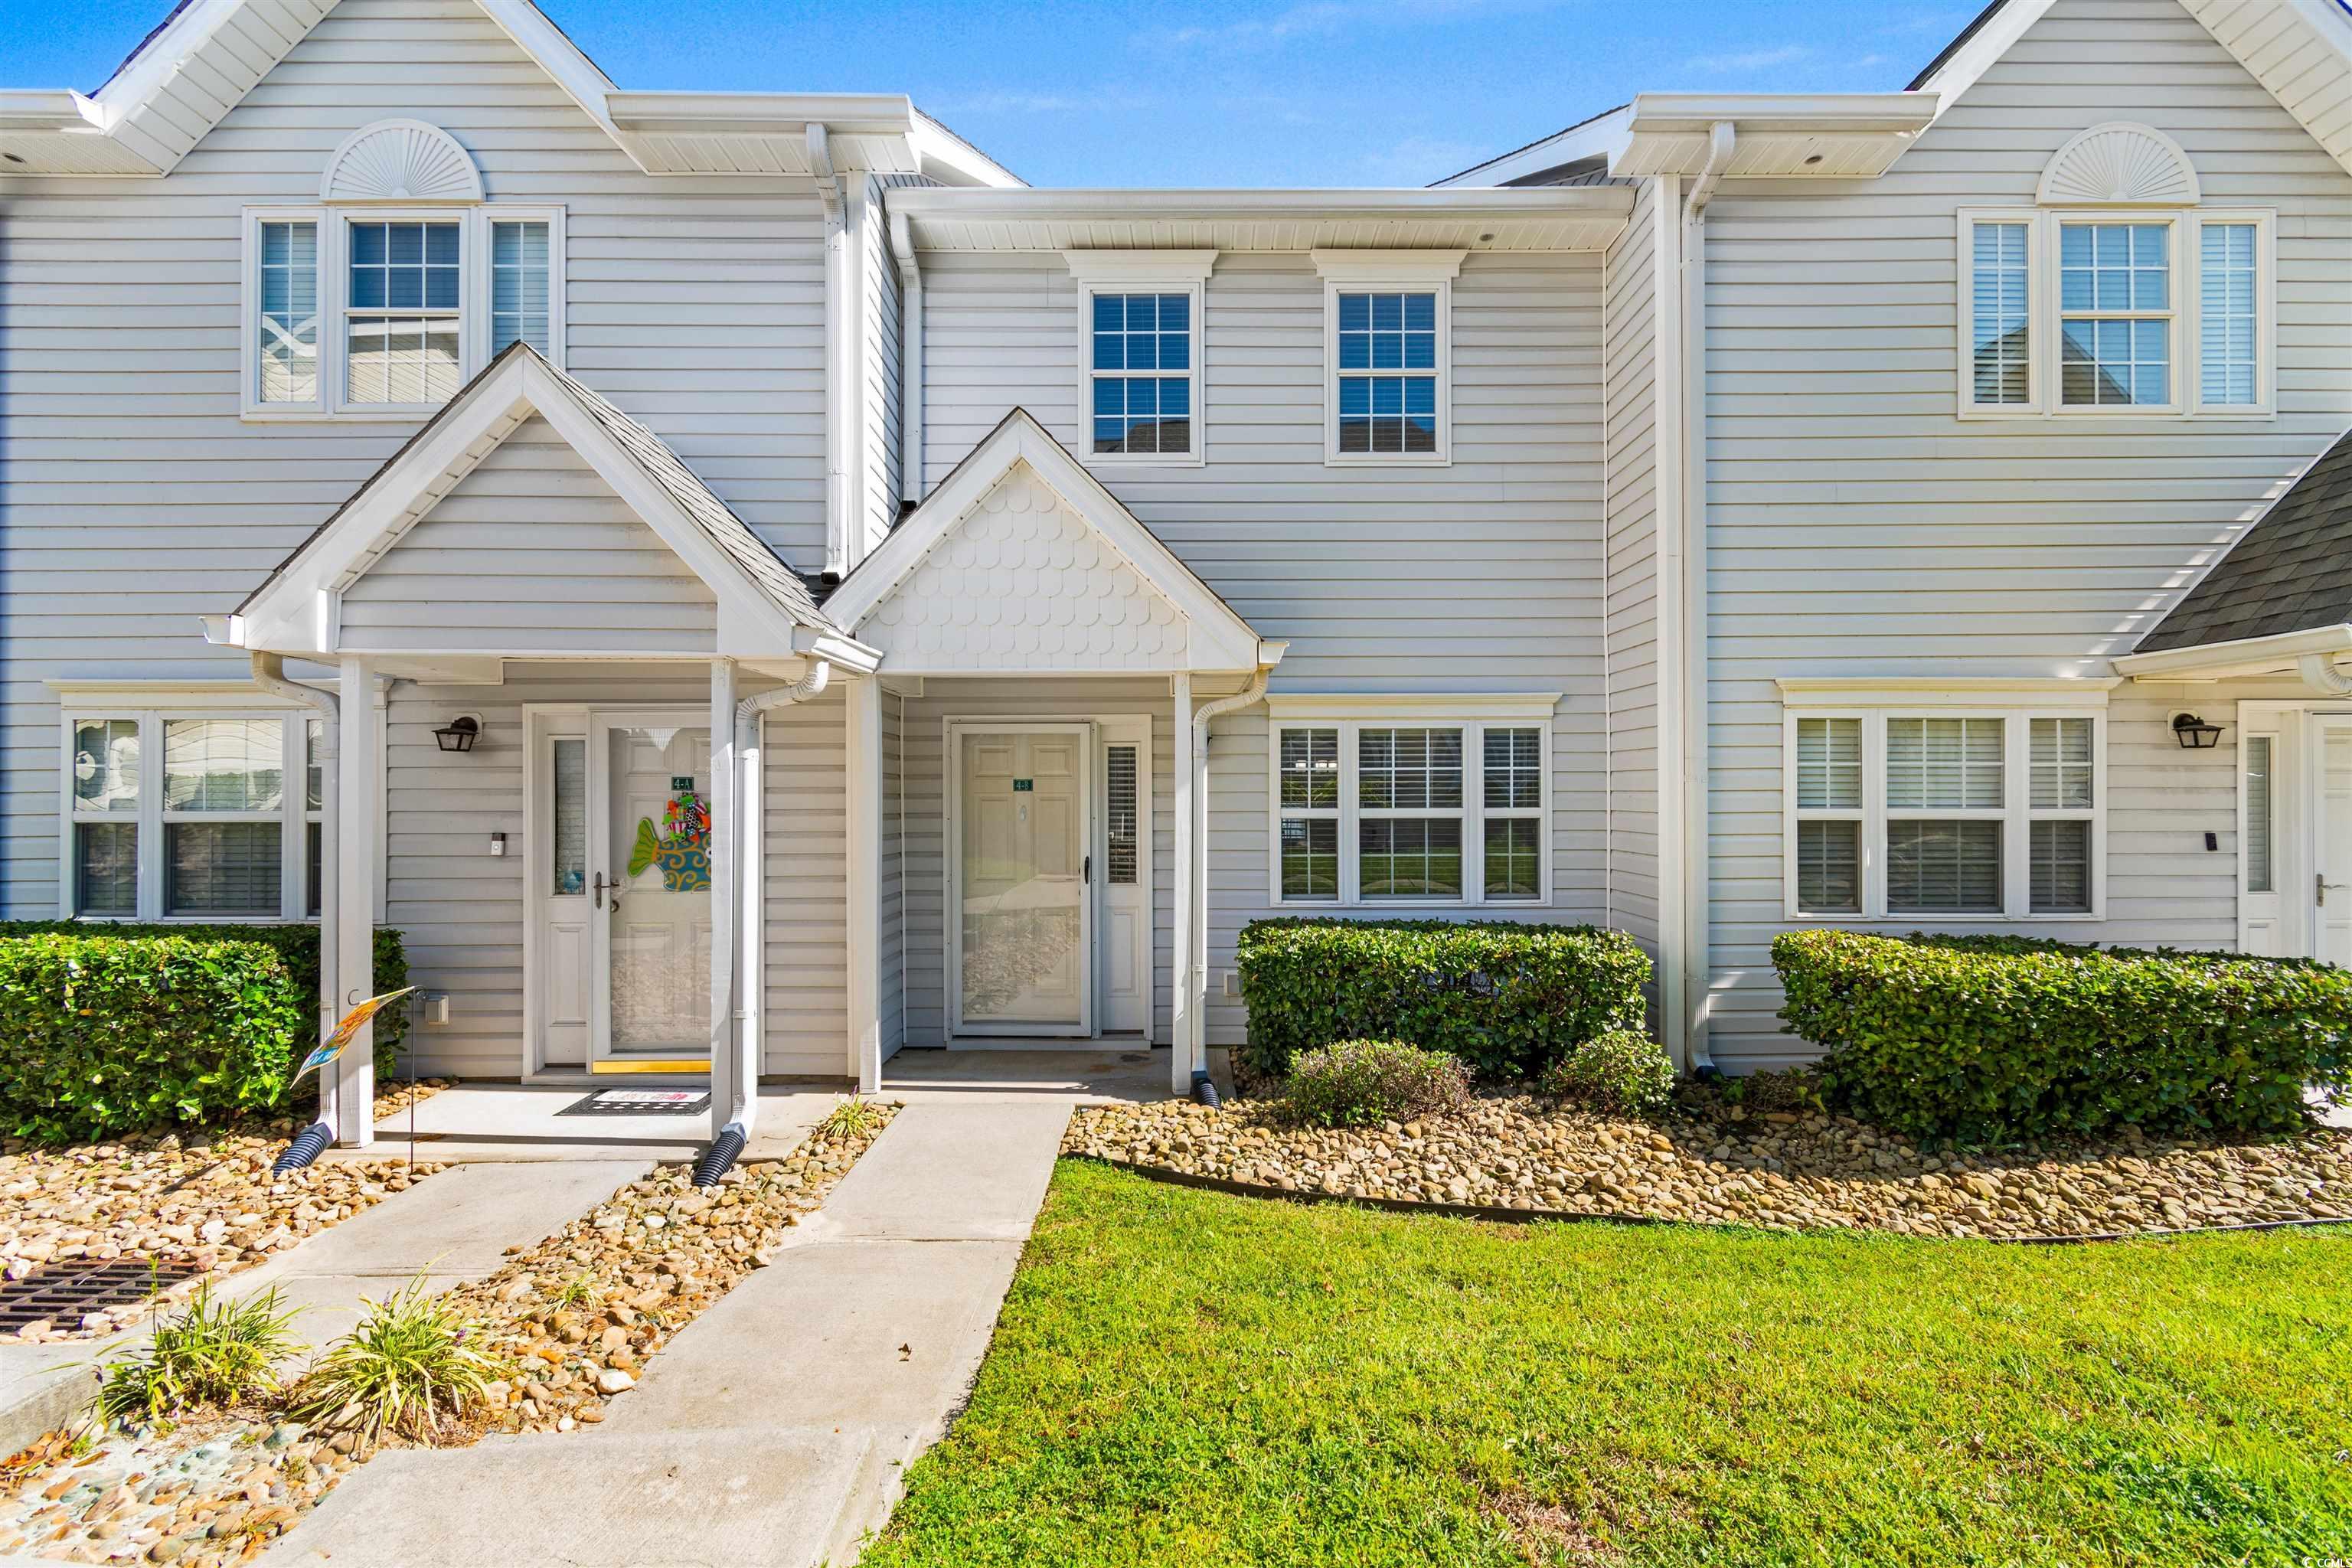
x: 1388, y: 272
x: 1182, y: 272
x: 1474, y: 715
x: 332, y: 402
x: 2044, y: 370
x: 150, y: 819
x: 2016, y: 711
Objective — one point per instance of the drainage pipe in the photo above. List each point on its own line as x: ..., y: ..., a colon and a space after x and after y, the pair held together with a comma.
x: 743, y: 1091
x: 910, y: 365
x: 837, y: 556
x: 269, y: 674
x: 1196, y: 874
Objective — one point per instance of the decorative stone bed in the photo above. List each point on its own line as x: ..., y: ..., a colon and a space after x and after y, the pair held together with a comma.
x: 1731, y: 1165
x: 196, y: 1200
x: 577, y: 1315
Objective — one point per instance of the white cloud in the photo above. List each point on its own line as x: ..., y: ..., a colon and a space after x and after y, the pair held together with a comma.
x: 1753, y: 61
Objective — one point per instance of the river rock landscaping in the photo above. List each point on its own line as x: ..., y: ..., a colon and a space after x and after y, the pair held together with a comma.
x: 196, y: 1199
x: 575, y: 1317
x: 1732, y: 1165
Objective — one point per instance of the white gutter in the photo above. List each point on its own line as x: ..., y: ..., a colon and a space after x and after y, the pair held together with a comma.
x: 2320, y: 673
x: 836, y: 412
x: 1697, y: 933
x: 911, y: 363
x: 742, y: 844
x: 1196, y: 873
x: 269, y: 674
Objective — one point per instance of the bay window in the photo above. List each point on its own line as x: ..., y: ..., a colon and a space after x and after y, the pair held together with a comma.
x: 1901, y: 812
x: 1402, y: 808
x: 189, y: 816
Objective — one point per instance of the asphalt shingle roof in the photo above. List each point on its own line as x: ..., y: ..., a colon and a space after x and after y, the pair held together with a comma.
x: 2291, y: 572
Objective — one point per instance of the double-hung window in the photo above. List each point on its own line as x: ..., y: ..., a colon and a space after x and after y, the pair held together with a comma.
x: 1941, y: 812
x: 1140, y: 335
x: 364, y: 313
x: 2079, y: 313
x: 1410, y: 807
x: 178, y: 814
x: 1388, y: 355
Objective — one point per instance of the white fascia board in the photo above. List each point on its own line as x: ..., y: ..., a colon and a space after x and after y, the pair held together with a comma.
x: 1778, y: 113
x: 1599, y: 137
x: 760, y: 113
x: 159, y: 57
x: 1220, y: 639
x: 556, y: 55
x: 2245, y: 656
x: 852, y: 656
x: 45, y: 108
x: 1954, y: 76
x: 944, y: 155
x: 1364, y: 201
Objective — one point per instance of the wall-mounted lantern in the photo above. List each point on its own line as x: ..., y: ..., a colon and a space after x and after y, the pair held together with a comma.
x: 2194, y: 734
x: 459, y: 733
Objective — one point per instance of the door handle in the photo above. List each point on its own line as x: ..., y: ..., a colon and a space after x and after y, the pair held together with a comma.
x: 2319, y: 886
x: 1087, y: 868
x: 600, y: 885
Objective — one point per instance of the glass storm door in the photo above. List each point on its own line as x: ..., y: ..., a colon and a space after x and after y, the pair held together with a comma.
x: 1023, y: 934
x: 649, y: 892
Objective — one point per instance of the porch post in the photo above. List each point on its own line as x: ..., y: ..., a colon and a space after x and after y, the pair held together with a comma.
x: 354, y: 887
x: 863, y: 784
x: 734, y: 1076
x: 1183, y: 1025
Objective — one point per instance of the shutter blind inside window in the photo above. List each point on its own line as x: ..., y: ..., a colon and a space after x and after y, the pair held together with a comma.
x: 2062, y: 868
x: 1943, y: 868
x: 2227, y: 314
x: 106, y: 868
x: 288, y: 314
x: 222, y: 868
x: 1999, y: 335
x: 2061, y: 760
x: 1944, y: 764
x: 519, y: 285
x: 2258, y: 814
x: 1828, y: 764
x: 1119, y: 815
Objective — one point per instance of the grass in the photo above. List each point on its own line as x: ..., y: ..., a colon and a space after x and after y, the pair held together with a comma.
x: 1188, y: 1378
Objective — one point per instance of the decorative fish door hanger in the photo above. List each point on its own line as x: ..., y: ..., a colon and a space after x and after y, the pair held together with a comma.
x: 681, y: 846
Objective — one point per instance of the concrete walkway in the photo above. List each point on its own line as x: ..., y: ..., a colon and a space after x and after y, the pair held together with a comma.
x: 772, y: 1433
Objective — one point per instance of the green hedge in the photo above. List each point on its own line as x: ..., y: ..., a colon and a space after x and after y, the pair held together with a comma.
x: 1999, y: 1037
x: 1505, y: 997
x: 108, y: 1028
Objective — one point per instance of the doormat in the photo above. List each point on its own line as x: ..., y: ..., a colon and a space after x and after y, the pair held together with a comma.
x: 63, y: 1293
x: 641, y: 1102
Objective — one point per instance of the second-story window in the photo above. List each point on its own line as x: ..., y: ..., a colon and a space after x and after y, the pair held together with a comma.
x: 1387, y: 325
x: 404, y: 310
x: 1142, y: 371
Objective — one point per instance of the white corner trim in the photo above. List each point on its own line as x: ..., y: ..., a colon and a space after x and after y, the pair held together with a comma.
x: 1140, y: 265
x: 1940, y: 691
x: 1387, y: 266
x: 1527, y: 705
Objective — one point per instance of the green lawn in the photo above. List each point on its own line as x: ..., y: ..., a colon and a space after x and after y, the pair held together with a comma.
x: 1183, y: 1377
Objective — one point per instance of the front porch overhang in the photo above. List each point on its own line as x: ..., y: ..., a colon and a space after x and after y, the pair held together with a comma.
x: 2286, y: 653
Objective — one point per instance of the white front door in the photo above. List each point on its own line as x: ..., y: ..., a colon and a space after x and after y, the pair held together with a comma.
x: 1123, y: 875
x: 2331, y: 882
x: 649, y: 892
x: 1022, y: 922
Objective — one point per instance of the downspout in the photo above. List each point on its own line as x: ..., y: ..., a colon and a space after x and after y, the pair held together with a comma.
x: 744, y: 1093
x: 1699, y: 937
x: 1197, y: 874
x: 836, y: 363
x: 269, y: 674
x: 910, y: 365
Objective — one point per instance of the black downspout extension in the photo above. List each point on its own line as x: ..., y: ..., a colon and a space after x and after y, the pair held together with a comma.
x: 723, y: 1152
x: 306, y: 1146
x: 1204, y: 1088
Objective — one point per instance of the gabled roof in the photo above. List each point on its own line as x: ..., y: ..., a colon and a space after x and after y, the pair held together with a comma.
x: 207, y: 55
x: 1219, y: 639
x: 2291, y: 572
x: 764, y: 607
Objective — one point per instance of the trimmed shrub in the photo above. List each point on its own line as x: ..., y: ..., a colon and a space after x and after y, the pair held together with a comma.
x: 109, y: 1029
x: 1357, y: 1083
x: 1623, y: 1071
x: 1506, y: 998
x: 1998, y: 1038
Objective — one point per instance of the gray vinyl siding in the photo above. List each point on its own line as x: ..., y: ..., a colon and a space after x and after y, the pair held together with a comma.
x: 1484, y: 576
x: 878, y: 339
x: 1630, y: 433
x: 135, y: 500
x: 1857, y: 528
x: 922, y: 798
x: 462, y: 909
x: 531, y: 553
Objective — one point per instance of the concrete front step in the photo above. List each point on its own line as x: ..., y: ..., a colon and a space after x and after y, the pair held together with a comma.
x: 775, y: 1498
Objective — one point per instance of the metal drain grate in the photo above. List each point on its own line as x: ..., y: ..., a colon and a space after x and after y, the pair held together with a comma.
x: 641, y: 1102
x: 63, y: 1293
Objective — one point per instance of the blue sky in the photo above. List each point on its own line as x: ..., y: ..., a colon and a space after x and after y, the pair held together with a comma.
x: 1217, y: 92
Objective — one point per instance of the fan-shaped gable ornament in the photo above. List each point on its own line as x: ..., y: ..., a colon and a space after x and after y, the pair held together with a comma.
x: 401, y: 161
x: 2119, y: 164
